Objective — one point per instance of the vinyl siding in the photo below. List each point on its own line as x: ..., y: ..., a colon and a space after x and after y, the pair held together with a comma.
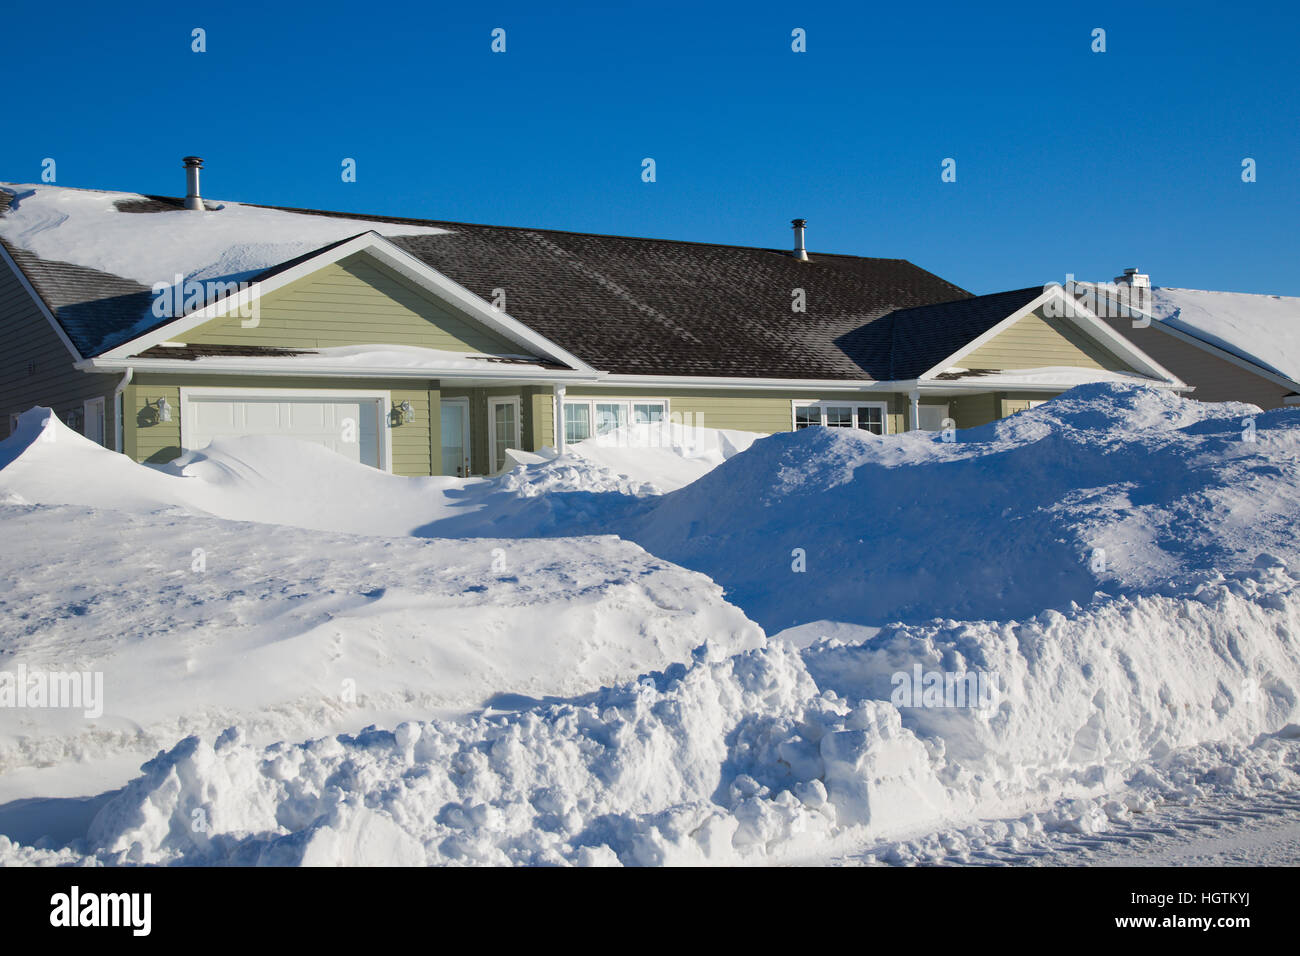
x: 35, y: 365
x: 1039, y: 341
x: 356, y: 301
x: 1215, y: 379
x: 539, y: 419
x: 763, y: 411
x: 971, y: 411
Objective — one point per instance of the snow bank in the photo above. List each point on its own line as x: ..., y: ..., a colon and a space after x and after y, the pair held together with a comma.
x: 1108, y: 487
x: 764, y: 754
x: 261, y: 478
x: 195, y: 623
x: 666, y: 455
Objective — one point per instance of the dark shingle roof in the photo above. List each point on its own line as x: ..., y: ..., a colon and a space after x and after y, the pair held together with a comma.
x: 923, y: 337
x: 623, y: 305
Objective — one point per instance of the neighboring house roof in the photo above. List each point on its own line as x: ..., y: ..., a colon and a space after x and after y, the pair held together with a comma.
x: 1262, y: 329
x: 622, y: 305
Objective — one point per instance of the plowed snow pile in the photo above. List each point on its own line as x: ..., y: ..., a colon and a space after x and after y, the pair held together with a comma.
x: 1115, y: 573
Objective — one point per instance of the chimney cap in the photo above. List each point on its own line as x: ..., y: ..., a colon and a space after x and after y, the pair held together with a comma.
x: 192, y: 161
x: 798, y: 223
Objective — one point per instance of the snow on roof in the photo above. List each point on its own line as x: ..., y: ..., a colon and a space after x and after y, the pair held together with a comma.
x: 1264, y: 329
x: 87, y: 228
x: 1048, y: 376
x: 354, y: 357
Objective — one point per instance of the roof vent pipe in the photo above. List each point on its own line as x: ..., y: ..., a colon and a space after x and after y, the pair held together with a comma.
x: 192, y: 199
x: 799, y: 251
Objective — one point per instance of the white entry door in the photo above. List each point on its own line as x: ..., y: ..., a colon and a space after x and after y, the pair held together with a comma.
x: 348, y: 426
x: 454, y: 427
x: 94, y: 420
x: 932, y: 417
x: 503, y: 429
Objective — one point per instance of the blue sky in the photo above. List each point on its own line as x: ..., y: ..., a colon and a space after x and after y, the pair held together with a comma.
x: 1068, y: 161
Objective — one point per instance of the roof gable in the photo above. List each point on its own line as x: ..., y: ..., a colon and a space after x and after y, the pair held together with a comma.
x: 355, y: 301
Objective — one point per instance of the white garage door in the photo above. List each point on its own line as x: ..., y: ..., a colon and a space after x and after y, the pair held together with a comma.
x: 347, y: 426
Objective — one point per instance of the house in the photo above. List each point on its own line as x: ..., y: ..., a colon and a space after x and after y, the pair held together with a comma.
x: 1229, y: 346
x: 155, y: 325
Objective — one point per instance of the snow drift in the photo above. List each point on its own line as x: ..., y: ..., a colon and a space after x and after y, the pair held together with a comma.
x: 1114, y: 488
x: 1119, y: 563
x: 765, y: 754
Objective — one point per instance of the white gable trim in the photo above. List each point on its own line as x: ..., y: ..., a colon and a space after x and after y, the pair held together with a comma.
x: 1086, y: 322
x: 375, y: 245
x: 40, y: 303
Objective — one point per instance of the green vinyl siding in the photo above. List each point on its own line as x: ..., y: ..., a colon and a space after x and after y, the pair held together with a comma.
x: 539, y: 418
x: 356, y: 301
x: 35, y: 365
x: 970, y: 411
x: 1040, y: 341
x: 750, y: 411
x: 412, y: 449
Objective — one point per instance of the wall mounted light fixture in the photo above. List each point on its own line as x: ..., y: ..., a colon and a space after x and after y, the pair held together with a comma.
x: 408, y: 413
x: 164, y: 410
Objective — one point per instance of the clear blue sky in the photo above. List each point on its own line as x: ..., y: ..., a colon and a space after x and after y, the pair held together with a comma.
x: 1067, y: 160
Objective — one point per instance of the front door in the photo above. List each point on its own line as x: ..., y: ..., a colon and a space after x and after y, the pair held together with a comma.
x: 455, y: 436
x: 503, y: 430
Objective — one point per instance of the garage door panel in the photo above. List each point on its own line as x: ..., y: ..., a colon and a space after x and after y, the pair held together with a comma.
x: 322, y: 421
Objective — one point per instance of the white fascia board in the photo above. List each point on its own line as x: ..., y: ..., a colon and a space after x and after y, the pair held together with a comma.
x: 40, y: 303
x: 391, y: 255
x: 289, y: 368
x: 783, y: 384
x: 1010, y: 385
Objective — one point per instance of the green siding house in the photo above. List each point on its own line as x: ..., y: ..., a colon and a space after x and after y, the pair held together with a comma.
x: 432, y: 348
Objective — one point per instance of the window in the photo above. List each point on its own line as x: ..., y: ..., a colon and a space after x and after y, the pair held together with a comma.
x: 584, y: 418
x: 577, y: 421
x: 609, y: 416
x: 872, y: 418
x: 869, y: 417
x: 647, y: 413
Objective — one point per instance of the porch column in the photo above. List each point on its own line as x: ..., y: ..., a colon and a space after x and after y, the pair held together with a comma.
x: 914, y: 416
x: 559, y: 418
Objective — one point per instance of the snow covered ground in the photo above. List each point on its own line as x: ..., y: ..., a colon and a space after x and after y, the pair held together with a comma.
x: 1115, y: 571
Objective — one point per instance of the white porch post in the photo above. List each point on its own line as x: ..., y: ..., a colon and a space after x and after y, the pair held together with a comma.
x: 559, y: 418
x: 914, y: 418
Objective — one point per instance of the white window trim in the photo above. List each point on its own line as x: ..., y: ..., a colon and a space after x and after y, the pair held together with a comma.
x: 383, y: 397
x: 823, y: 404
x: 86, y: 407
x: 493, y: 402
x: 591, y: 401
